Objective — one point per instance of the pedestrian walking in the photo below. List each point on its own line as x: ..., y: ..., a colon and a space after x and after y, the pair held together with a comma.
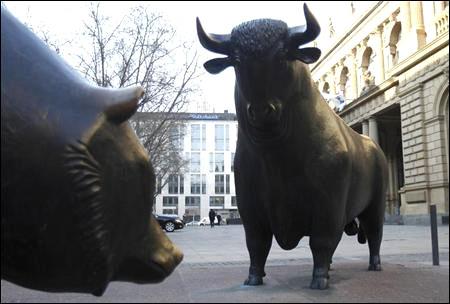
x: 212, y: 217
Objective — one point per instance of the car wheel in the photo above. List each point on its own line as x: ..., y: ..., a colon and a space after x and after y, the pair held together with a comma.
x: 169, y: 227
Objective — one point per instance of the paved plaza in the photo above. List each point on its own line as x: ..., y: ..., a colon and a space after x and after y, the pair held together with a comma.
x: 216, y: 264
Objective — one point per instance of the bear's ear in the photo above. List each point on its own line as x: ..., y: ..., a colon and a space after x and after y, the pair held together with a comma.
x: 122, y: 103
x: 307, y: 55
x: 217, y: 65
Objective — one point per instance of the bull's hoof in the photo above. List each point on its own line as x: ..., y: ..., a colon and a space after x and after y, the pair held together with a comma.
x: 253, y: 280
x: 319, y: 283
x: 375, y: 267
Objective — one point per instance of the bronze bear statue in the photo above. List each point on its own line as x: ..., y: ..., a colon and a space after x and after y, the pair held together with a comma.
x: 77, y: 186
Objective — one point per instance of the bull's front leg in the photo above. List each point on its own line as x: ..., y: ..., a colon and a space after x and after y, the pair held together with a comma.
x: 322, y: 250
x: 258, y: 242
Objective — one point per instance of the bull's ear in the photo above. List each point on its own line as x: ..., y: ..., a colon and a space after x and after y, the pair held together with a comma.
x: 217, y: 65
x: 122, y: 103
x: 307, y: 55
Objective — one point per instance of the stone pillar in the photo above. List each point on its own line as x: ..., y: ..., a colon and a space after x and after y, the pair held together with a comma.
x: 417, y: 23
x: 365, y: 127
x: 373, y: 129
x: 405, y: 13
x: 380, y: 55
x: 332, y: 81
x: 354, y: 75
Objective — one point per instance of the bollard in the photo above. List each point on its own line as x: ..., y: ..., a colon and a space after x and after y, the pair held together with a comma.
x: 434, y: 235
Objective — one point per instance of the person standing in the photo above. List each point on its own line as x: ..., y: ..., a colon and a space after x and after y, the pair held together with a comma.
x: 219, y: 219
x: 212, y: 217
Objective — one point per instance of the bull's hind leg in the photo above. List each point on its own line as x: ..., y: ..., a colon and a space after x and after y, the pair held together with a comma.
x: 372, y: 220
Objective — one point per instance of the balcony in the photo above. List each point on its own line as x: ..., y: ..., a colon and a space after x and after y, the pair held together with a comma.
x: 441, y: 22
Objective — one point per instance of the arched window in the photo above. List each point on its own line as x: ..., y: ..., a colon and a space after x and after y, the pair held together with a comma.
x: 326, y: 88
x: 343, y: 82
x: 367, y: 75
x: 394, y: 38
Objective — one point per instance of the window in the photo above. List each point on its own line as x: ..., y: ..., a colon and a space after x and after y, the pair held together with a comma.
x: 227, y: 185
x: 195, y: 162
x: 219, y: 184
x: 203, y: 183
x: 227, y: 137
x: 219, y: 165
x: 175, y: 137
x: 195, y: 138
x: 158, y: 184
x: 193, y: 201
x: 216, y: 201
x: 171, y: 211
x: 219, y: 138
x: 232, y: 162
x: 181, y: 184
x: 233, y: 201
x: 176, y: 182
x: 170, y: 201
x: 203, y: 137
x: 198, y: 137
x: 211, y: 162
x: 173, y: 184
x: 195, y: 184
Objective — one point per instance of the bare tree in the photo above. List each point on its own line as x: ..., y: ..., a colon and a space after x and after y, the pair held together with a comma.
x: 139, y: 49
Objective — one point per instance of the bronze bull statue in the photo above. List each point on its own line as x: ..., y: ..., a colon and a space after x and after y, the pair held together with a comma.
x: 299, y: 169
x: 77, y: 185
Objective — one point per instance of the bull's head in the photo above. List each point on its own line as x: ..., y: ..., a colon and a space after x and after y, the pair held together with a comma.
x: 268, y: 64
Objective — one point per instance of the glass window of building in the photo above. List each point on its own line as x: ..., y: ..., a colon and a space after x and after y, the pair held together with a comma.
x: 203, y: 183
x: 232, y: 162
x: 219, y: 162
x: 233, y: 201
x: 172, y: 211
x: 173, y: 184
x: 219, y: 138
x: 219, y: 184
x: 181, y: 184
x: 195, y: 162
x: 227, y: 137
x: 195, y: 137
x: 216, y: 201
x: 175, y: 137
x: 158, y: 184
x: 193, y: 201
x: 170, y: 201
x: 203, y: 137
x: 195, y: 184
x: 227, y: 184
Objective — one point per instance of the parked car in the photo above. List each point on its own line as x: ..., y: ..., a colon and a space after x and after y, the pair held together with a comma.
x: 169, y: 222
x: 205, y: 221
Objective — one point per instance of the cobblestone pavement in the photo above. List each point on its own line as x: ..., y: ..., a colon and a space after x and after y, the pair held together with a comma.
x: 216, y: 263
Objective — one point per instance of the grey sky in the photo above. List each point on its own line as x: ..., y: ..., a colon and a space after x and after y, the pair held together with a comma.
x: 64, y: 19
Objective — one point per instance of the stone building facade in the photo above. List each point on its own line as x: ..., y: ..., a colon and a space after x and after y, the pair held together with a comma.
x: 391, y: 66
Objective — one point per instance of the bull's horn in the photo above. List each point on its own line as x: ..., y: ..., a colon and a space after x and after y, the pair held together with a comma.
x: 212, y: 42
x: 121, y: 104
x: 306, y: 33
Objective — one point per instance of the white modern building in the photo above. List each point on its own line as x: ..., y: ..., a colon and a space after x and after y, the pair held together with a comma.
x: 208, y: 143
